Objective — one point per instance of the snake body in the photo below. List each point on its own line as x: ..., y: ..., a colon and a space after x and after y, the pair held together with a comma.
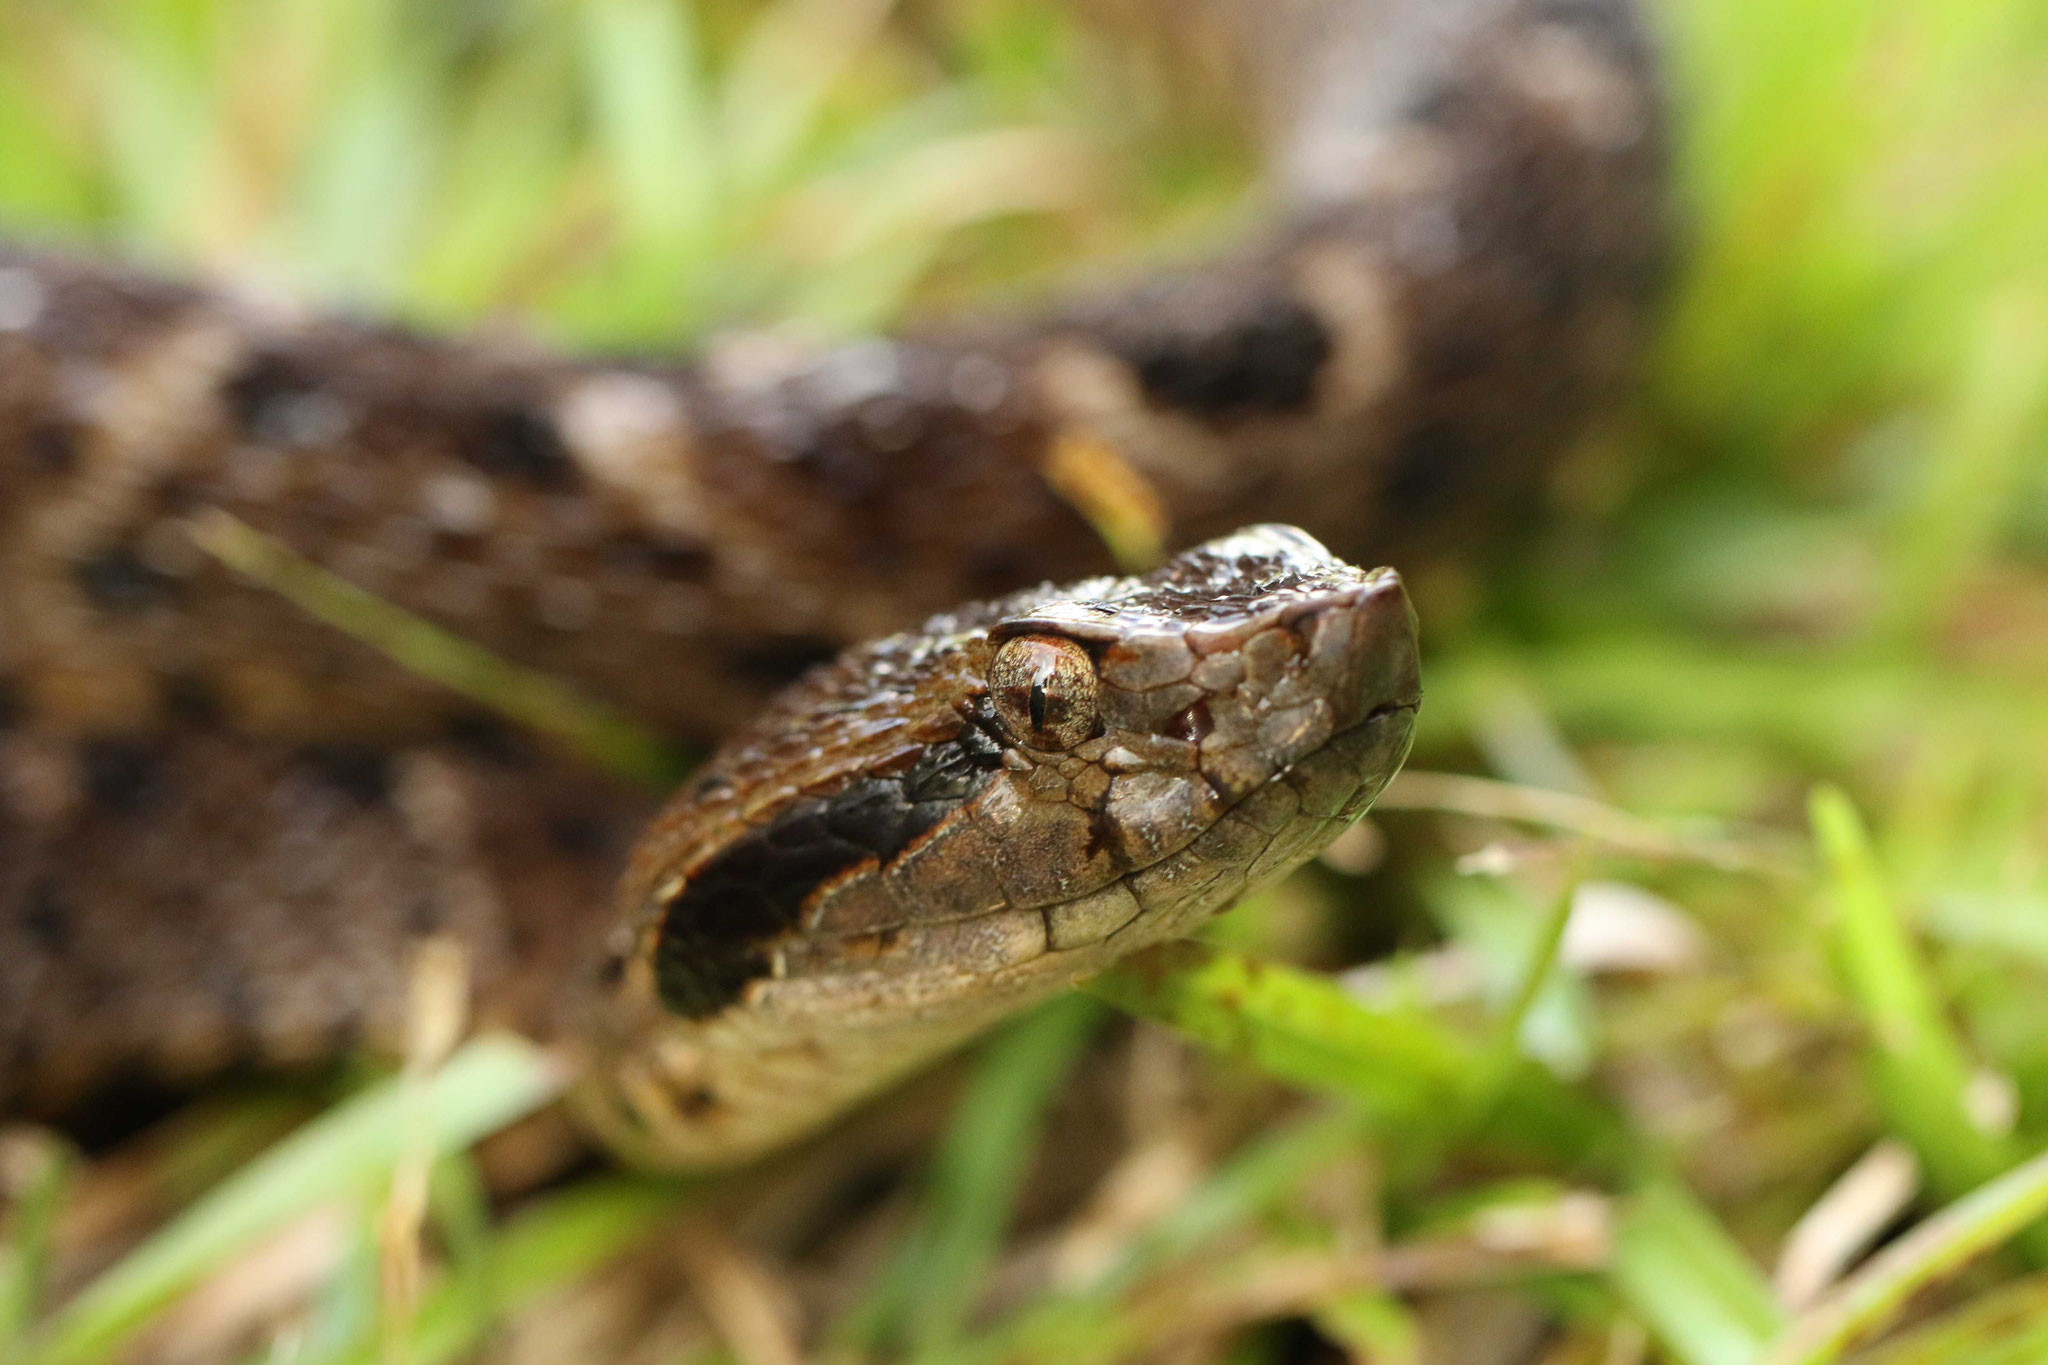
x: 223, y: 824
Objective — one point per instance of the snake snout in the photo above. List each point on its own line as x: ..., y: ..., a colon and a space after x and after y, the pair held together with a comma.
x: 1366, y: 640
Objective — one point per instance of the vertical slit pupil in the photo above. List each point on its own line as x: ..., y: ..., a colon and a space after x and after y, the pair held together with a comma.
x: 1038, y: 704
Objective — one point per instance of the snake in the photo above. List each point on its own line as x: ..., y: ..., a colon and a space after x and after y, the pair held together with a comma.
x: 227, y: 826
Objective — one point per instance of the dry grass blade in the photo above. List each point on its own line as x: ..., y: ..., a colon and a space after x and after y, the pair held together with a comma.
x: 532, y: 699
x: 1933, y: 1251
x: 1486, y: 798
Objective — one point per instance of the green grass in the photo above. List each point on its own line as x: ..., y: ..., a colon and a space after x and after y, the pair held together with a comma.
x: 1776, y: 657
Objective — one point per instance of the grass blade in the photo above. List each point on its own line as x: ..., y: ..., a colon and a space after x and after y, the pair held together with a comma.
x: 344, y: 1153
x: 41, y: 1168
x: 1921, y: 1070
x: 925, y: 1295
x: 1681, y: 1273
x: 1402, y: 1067
x: 2003, y: 1326
x: 558, y: 1241
x: 1933, y: 1251
x: 1085, y: 1326
x: 530, y: 698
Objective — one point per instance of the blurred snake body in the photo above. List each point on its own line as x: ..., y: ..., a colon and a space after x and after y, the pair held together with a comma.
x: 224, y: 826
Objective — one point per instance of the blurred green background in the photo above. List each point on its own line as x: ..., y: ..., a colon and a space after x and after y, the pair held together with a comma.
x: 1793, y: 595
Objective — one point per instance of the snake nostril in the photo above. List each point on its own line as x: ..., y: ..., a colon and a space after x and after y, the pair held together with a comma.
x: 1192, y: 724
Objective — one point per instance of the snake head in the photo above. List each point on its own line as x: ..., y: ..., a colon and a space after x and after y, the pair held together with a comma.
x: 937, y: 828
x: 1218, y: 679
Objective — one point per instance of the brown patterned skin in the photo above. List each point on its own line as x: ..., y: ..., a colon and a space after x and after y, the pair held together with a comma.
x: 222, y: 824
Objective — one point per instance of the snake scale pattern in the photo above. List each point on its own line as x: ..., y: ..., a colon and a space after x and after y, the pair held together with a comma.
x: 225, y: 825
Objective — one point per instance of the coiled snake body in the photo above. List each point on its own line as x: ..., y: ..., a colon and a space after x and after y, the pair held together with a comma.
x: 223, y: 824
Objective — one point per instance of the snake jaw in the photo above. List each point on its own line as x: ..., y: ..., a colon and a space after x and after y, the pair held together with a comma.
x: 1254, y: 696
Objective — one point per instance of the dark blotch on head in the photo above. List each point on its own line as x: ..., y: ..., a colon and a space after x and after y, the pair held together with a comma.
x: 518, y: 443
x: 1264, y: 360
x: 715, y: 936
x: 116, y: 579
x: 1105, y: 836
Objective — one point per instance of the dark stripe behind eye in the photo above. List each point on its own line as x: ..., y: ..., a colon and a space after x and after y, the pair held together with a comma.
x: 715, y: 935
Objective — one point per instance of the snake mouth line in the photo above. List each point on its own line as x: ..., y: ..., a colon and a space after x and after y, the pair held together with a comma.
x: 1372, y: 781
x: 1386, y: 711
x: 1248, y: 837
x: 1162, y: 898
x: 968, y: 943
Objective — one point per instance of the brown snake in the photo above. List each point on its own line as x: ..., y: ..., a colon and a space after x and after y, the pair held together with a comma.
x: 223, y: 825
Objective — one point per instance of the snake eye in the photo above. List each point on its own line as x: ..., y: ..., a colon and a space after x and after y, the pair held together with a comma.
x: 1043, y: 688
